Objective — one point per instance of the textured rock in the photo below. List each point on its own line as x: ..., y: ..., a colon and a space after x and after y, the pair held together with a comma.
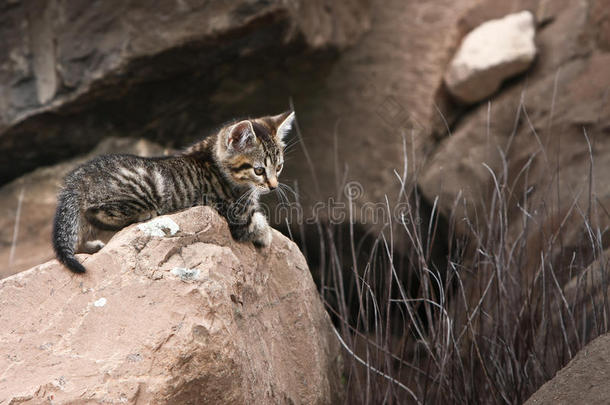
x: 534, y: 136
x: 491, y: 53
x: 365, y: 97
x: 376, y: 97
x: 564, y: 96
x: 72, y: 73
x: 27, y: 206
x: 583, y: 381
x: 191, y: 318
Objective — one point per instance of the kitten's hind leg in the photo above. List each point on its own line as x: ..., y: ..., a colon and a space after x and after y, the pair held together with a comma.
x: 92, y: 246
x: 88, y: 241
x: 115, y: 215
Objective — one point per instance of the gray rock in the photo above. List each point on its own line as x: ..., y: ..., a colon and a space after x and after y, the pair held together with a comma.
x: 72, y: 73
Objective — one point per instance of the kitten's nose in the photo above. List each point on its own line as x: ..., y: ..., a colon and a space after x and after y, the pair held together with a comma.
x: 272, y: 183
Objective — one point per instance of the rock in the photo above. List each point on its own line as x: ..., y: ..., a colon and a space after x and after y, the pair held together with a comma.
x: 28, y: 204
x: 491, y: 53
x: 185, y: 319
x: 575, y: 315
x: 72, y: 74
x: 377, y: 96
x: 560, y: 116
x: 583, y: 381
x: 587, y: 289
x: 346, y: 86
x: 534, y: 136
x: 544, y: 119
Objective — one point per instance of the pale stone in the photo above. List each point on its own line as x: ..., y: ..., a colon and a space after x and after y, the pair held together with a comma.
x: 489, y: 54
x: 186, y: 274
x: 100, y: 303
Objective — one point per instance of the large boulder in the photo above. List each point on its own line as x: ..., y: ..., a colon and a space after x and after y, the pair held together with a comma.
x: 190, y: 317
x: 491, y: 53
x: 27, y: 206
x: 583, y: 381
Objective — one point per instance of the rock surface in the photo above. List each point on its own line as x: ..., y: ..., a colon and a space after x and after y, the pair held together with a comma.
x: 72, y: 73
x: 491, y: 53
x: 590, y: 288
x: 545, y: 139
x: 535, y: 131
x: 27, y: 206
x: 380, y: 87
x: 189, y: 318
x: 583, y: 381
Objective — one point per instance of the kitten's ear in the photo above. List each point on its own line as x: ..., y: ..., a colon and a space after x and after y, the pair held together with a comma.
x: 283, y: 123
x: 240, y: 136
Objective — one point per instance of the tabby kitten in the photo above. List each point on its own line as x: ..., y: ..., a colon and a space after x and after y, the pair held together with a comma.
x: 228, y: 170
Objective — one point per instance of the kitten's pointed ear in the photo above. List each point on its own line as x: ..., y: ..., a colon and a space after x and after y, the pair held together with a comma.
x: 284, y: 123
x: 240, y: 136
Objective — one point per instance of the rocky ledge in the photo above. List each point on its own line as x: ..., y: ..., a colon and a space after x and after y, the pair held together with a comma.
x: 170, y: 311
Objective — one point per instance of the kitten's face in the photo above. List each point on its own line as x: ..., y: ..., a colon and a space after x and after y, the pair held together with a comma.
x: 252, y: 151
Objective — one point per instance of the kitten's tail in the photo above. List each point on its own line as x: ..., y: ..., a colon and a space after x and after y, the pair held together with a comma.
x: 66, y: 228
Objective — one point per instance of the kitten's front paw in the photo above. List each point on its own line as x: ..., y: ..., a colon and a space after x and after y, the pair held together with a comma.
x: 263, y: 239
x: 260, y: 230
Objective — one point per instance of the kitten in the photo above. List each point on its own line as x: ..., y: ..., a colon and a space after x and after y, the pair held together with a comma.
x: 228, y: 170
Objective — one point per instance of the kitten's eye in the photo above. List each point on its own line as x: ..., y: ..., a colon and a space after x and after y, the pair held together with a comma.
x: 279, y: 167
x: 259, y: 171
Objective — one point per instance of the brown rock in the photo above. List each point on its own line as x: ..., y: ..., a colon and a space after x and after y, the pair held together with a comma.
x: 28, y: 204
x: 588, y: 288
x: 191, y: 318
x: 586, y: 296
x: 583, y: 381
x: 544, y: 118
x: 378, y: 95
x: 125, y: 80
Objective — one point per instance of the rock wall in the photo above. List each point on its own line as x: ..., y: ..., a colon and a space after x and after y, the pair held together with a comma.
x: 544, y: 136
x: 73, y: 73
x: 191, y: 317
x: 361, y: 76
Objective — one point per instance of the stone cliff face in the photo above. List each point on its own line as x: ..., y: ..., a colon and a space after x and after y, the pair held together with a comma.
x: 72, y: 72
x: 544, y: 135
x: 170, y: 311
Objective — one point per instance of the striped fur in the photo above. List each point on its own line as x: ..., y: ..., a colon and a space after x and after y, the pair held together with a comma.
x: 228, y: 170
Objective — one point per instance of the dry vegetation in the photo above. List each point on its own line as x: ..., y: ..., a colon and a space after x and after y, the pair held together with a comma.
x: 484, y: 316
